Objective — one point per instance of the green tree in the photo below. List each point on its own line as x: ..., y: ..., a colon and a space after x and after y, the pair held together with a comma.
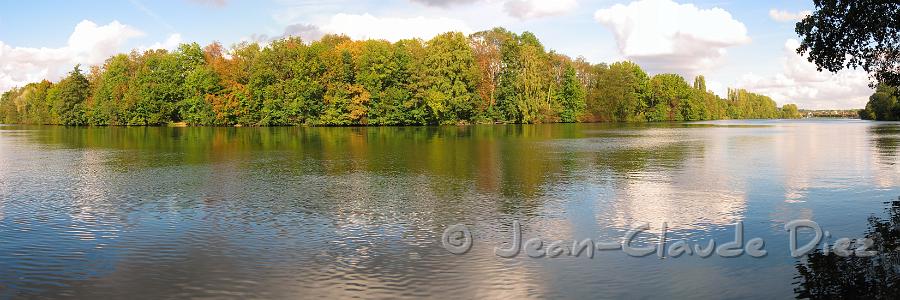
x: 507, y: 91
x: 346, y: 101
x: 490, y: 76
x: 233, y: 104
x: 534, y: 80
x: 284, y: 85
x: 383, y: 74
x: 155, y: 91
x: 746, y: 105
x: 68, y: 98
x: 593, y: 77
x: 9, y: 113
x: 487, y: 47
x: 693, y: 107
x: 700, y: 83
x: 410, y: 56
x: 790, y: 111
x: 452, y: 77
x: 199, y: 84
x: 572, y: 96
x: 625, y: 91
x: 882, y: 105
x: 110, y: 89
x: 854, y: 33
x: 668, y: 92
x: 27, y: 105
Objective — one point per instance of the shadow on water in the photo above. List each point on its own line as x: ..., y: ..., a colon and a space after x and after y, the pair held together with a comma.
x: 886, y: 138
x: 824, y: 276
x: 515, y: 161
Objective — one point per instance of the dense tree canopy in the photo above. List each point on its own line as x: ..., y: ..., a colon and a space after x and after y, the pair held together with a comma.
x: 854, y: 33
x: 68, y: 97
x: 487, y: 77
x: 883, y: 105
x: 790, y: 111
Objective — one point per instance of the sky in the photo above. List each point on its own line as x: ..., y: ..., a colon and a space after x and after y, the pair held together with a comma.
x: 739, y: 44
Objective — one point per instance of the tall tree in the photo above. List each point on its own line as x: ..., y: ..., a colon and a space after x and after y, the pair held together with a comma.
x: 883, y: 105
x: 111, y: 86
x: 9, y: 113
x: 700, y: 83
x: 487, y: 47
x: 155, y: 90
x: 668, y: 93
x: 625, y: 88
x: 572, y: 97
x: 411, y: 57
x: 452, y: 77
x: 383, y: 74
x: 232, y: 105
x: 284, y: 84
x: 534, y: 80
x: 68, y: 97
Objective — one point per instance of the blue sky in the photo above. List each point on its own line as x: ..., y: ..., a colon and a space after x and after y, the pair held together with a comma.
x: 734, y: 43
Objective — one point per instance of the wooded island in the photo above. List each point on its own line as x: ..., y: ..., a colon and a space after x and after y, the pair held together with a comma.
x: 493, y: 76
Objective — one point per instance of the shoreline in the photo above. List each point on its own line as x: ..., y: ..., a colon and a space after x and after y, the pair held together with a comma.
x: 185, y: 125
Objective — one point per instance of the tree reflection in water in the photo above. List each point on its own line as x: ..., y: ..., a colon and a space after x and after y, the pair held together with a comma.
x: 877, y: 277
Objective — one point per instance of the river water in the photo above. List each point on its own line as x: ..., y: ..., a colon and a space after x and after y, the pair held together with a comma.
x: 295, y: 212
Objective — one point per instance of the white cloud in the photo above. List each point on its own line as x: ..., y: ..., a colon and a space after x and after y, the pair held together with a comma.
x: 170, y: 43
x: 786, y: 16
x: 715, y: 86
x: 89, y: 44
x: 307, y: 32
x: 664, y: 36
x: 367, y: 26
x: 799, y: 82
x: 527, y: 9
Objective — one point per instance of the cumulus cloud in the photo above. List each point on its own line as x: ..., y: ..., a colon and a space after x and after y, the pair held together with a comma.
x: 527, y: 9
x: 170, y: 43
x: 307, y: 32
x: 715, y: 86
x: 367, y: 26
x: 786, y: 16
x: 799, y: 82
x: 89, y: 44
x: 664, y: 36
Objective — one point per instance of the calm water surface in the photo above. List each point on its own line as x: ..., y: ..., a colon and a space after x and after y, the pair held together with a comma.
x: 359, y: 212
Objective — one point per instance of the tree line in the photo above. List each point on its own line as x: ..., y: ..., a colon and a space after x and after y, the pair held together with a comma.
x: 883, y: 105
x: 493, y: 76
